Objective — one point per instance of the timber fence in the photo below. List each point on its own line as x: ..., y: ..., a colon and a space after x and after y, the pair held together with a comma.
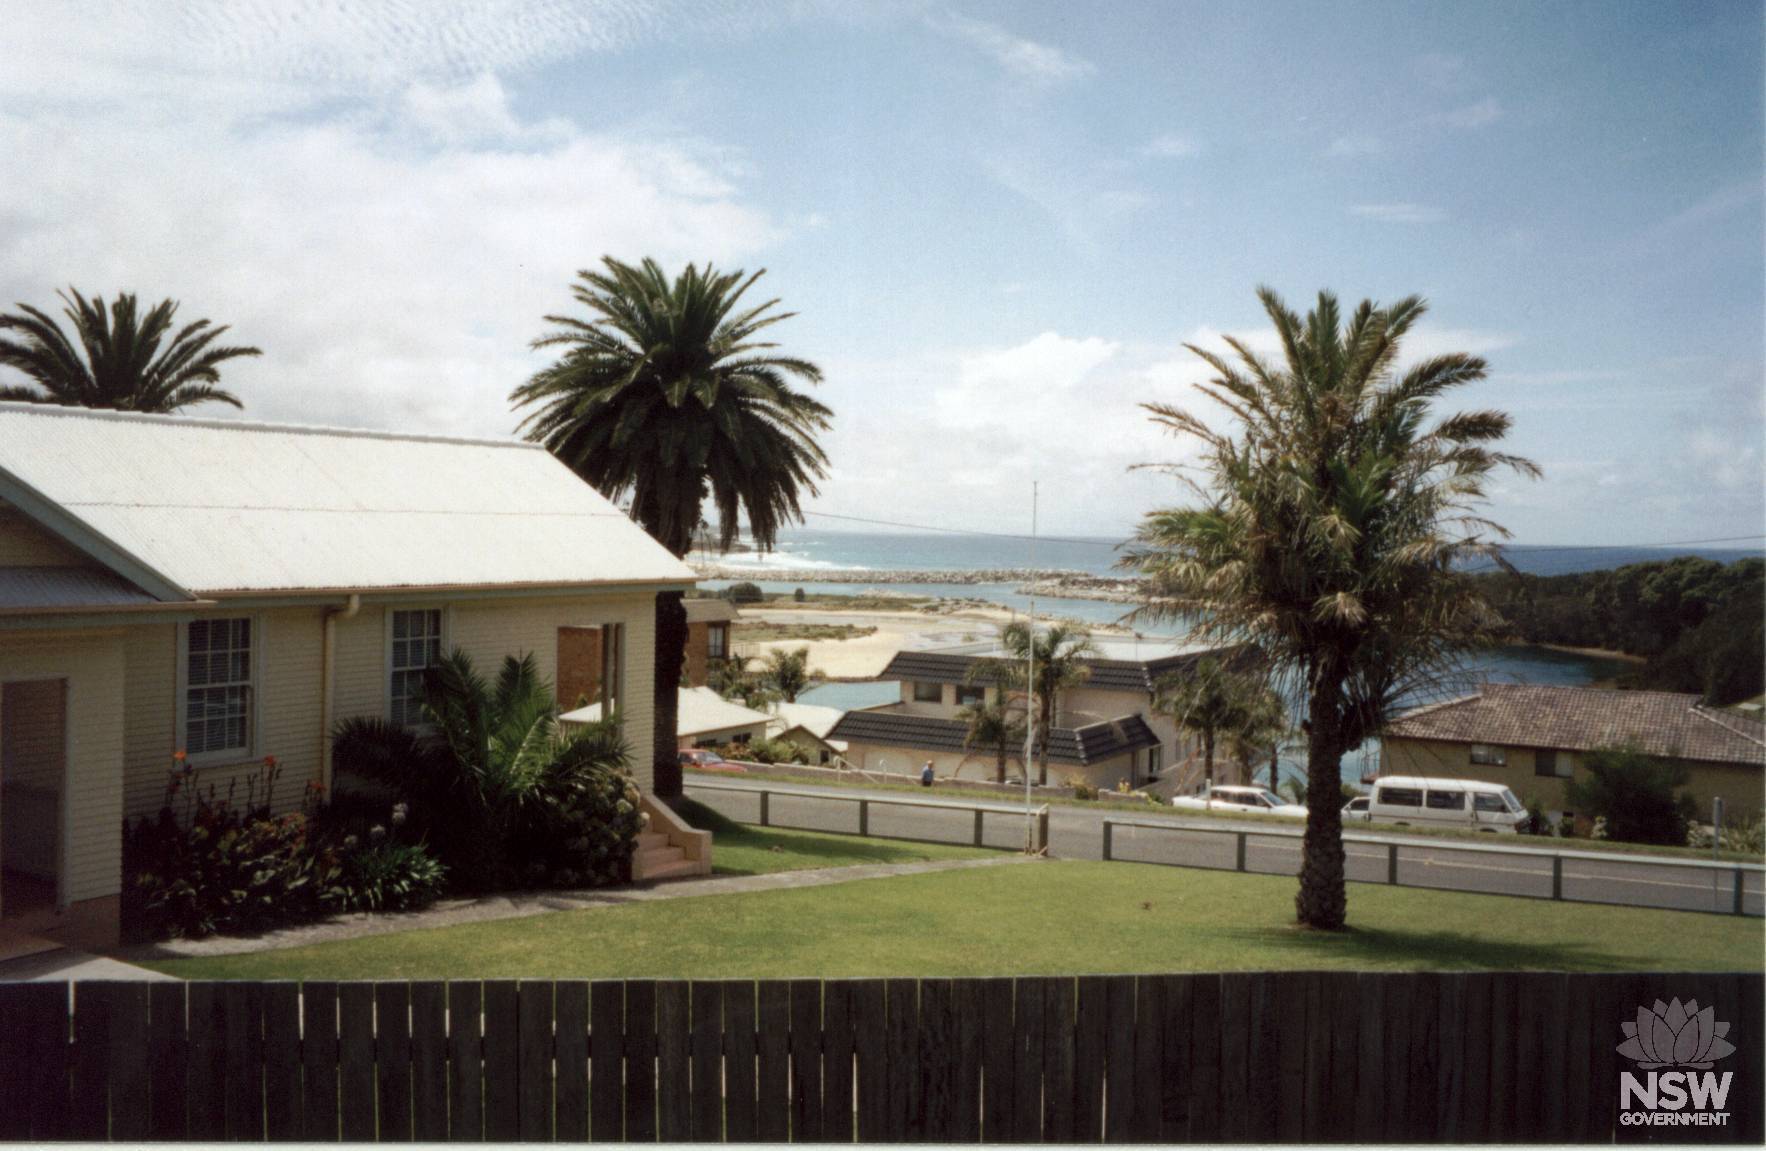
x: 1256, y: 1057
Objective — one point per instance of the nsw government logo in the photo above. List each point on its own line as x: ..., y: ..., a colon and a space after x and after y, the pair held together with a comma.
x: 1689, y: 1040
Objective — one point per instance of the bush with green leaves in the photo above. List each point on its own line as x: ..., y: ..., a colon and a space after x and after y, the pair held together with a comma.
x: 1635, y: 796
x: 744, y: 592
x: 767, y: 751
x: 207, y: 863
x: 500, y: 791
x: 386, y: 875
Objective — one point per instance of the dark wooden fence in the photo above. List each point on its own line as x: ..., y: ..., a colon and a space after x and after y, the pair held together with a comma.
x: 1167, y: 1058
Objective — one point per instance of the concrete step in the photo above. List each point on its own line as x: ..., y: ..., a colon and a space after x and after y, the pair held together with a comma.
x: 657, y: 856
x: 679, y: 869
x: 651, y: 839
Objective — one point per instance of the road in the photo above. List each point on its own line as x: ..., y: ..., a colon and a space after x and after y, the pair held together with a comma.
x: 1077, y: 833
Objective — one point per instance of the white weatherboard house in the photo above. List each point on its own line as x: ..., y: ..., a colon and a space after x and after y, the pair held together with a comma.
x: 232, y: 590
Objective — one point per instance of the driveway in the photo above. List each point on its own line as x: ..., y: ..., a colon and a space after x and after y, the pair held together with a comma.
x: 1077, y: 833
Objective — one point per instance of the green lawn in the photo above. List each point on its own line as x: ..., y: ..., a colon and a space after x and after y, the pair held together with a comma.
x: 1032, y: 918
x: 747, y: 849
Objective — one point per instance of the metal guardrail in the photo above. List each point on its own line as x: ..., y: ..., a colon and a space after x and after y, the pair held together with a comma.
x: 1738, y: 871
x: 980, y: 810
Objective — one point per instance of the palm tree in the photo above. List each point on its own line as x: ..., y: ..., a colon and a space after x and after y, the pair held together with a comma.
x: 995, y: 724
x: 1263, y: 727
x: 788, y: 673
x: 1328, y: 524
x: 124, y: 366
x: 1058, y: 653
x: 664, y: 394
x: 1211, y: 700
x: 492, y: 763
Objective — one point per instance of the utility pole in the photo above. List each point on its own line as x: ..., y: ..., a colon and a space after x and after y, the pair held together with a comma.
x: 1030, y: 685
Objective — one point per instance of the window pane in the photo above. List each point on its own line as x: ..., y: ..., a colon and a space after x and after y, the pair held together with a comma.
x: 1447, y: 800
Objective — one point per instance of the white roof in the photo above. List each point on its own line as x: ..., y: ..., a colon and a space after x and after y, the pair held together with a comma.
x: 1127, y: 649
x: 1435, y: 783
x: 229, y: 506
x: 813, y: 718
x: 702, y: 712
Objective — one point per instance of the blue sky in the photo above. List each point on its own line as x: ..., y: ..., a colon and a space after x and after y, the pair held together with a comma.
x: 998, y: 222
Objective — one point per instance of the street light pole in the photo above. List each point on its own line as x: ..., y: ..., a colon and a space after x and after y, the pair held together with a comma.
x: 1030, y: 685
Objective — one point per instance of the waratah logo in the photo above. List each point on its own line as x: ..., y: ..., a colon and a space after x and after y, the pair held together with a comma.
x: 1675, y: 1035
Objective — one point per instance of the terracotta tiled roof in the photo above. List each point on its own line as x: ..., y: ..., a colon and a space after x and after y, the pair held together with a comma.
x: 1583, y: 718
x: 1106, y: 674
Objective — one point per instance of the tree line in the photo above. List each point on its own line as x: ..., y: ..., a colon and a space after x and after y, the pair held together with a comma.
x: 1697, y: 622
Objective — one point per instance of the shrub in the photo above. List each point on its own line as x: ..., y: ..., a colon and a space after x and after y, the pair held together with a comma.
x: 765, y: 751
x: 1082, y: 789
x: 1634, y: 796
x: 744, y: 592
x: 500, y: 793
x: 204, y: 864
x: 386, y: 876
x: 797, y: 595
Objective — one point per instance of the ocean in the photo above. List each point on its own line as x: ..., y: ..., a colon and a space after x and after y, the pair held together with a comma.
x: 810, y: 549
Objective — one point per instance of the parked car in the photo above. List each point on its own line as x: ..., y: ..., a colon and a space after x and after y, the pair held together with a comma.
x: 704, y: 759
x: 1426, y: 802
x: 1357, y: 808
x: 1259, y: 800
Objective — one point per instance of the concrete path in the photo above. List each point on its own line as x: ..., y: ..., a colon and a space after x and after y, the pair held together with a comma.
x: 72, y: 966
x: 451, y: 912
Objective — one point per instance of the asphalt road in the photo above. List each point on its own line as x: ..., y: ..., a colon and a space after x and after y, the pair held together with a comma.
x: 1077, y: 833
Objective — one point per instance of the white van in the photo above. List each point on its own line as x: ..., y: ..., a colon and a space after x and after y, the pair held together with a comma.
x: 1466, y: 803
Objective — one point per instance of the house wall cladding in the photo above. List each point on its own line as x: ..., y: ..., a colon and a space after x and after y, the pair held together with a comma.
x: 289, y: 712
x: 1244, y: 1056
x: 92, y: 664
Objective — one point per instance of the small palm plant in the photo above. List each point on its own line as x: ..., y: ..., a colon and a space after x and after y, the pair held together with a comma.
x: 788, y: 673
x: 998, y: 726
x: 493, y: 781
x: 1210, y: 700
x: 1059, y: 655
x: 120, y: 362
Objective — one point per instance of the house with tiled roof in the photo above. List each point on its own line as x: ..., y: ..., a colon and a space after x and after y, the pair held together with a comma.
x: 1533, y: 738
x: 1106, y: 731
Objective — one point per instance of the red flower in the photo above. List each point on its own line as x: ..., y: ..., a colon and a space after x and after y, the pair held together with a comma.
x: 269, y: 761
x: 179, y: 756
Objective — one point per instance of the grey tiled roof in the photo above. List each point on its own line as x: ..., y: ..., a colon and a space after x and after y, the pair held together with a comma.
x: 1079, y: 747
x: 26, y: 588
x: 1106, y: 674
x: 1660, y: 723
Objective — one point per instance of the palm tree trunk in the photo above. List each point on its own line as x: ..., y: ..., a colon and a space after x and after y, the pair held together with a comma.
x: 1208, y: 764
x: 671, y: 650
x: 1275, y: 770
x: 1323, y: 901
x: 1000, y: 767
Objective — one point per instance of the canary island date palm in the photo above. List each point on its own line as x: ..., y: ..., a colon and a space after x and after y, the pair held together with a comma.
x: 1211, y: 699
x: 1329, y: 513
x: 788, y: 673
x: 667, y: 394
x: 1039, y: 663
x: 118, y: 358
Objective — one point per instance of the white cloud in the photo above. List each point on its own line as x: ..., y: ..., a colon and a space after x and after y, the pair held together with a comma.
x: 1170, y: 147
x: 390, y: 236
x: 1356, y: 145
x: 1479, y: 115
x: 1399, y: 213
x: 1022, y: 58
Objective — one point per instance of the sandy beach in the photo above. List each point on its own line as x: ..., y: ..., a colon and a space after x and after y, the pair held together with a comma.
x: 864, y: 657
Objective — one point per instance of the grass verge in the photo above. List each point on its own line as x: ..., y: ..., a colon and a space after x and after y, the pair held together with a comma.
x: 1151, y: 811
x: 1025, y: 919
x: 745, y: 849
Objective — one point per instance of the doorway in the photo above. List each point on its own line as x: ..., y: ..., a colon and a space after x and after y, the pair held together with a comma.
x: 33, y: 774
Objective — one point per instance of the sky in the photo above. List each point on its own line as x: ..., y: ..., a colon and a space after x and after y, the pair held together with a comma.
x: 998, y: 224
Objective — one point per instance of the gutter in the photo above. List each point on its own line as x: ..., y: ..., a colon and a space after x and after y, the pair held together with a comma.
x: 327, y: 673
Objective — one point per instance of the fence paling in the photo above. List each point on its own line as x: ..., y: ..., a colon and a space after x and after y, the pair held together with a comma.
x: 1280, y: 1056
x: 1737, y: 871
x: 1040, y: 815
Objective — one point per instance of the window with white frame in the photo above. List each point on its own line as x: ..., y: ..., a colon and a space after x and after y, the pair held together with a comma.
x: 717, y: 641
x: 218, y: 681
x: 1484, y: 753
x: 416, y: 647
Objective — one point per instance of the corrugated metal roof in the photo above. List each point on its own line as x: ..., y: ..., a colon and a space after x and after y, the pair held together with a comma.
x: 37, y: 588
x: 229, y: 506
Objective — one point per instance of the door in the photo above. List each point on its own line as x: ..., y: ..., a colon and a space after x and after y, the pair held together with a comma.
x: 33, y: 773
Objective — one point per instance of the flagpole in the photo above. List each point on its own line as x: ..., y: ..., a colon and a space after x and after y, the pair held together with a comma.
x: 1030, y: 686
